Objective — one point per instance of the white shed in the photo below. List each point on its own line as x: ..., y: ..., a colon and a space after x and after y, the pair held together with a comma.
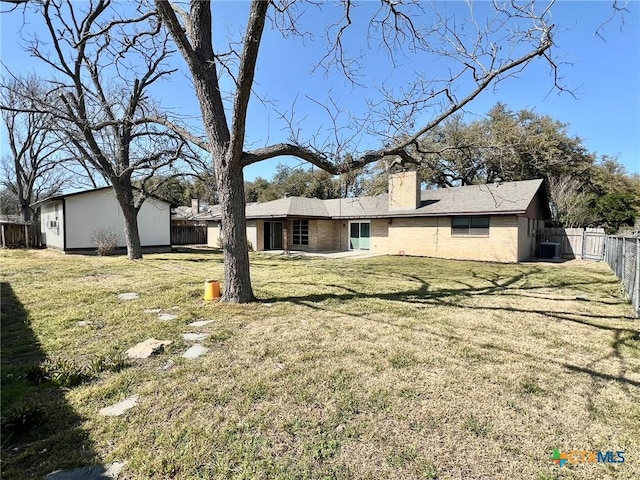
x: 68, y: 222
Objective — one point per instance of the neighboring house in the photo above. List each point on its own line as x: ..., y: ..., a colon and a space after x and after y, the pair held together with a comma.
x: 69, y: 222
x: 196, y: 214
x: 189, y: 224
x: 493, y: 222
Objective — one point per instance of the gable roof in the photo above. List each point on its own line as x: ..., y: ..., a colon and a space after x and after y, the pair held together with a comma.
x: 67, y: 195
x: 490, y: 199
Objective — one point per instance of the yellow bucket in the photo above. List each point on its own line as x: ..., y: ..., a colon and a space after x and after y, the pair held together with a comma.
x: 211, y: 289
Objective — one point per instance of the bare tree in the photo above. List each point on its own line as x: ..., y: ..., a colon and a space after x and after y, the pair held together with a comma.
x: 570, y: 204
x: 498, y: 48
x: 104, y: 63
x: 32, y: 171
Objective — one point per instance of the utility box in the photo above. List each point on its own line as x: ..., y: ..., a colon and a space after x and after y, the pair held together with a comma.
x: 549, y: 250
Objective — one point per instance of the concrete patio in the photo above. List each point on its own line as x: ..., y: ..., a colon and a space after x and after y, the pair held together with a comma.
x: 327, y: 254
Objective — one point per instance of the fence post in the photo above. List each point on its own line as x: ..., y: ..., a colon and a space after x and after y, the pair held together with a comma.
x: 624, y: 258
x: 635, y: 297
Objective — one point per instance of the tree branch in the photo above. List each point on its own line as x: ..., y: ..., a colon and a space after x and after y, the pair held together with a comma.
x: 248, y: 61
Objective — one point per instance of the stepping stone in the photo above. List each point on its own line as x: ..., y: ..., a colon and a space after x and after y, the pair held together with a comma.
x: 91, y: 472
x: 153, y: 310
x: 200, y: 323
x: 147, y: 348
x: 165, y: 317
x: 194, y: 337
x: 128, y: 296
x: 168, y: 365
x: 195, y: 351
x: 119, y: 408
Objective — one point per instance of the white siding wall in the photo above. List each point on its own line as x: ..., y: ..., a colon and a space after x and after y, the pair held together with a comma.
x: 52, y: 237
x: 92, y: 211
x: 154, y: 222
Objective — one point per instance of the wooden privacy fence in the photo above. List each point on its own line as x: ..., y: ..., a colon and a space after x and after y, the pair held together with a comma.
x: 188, y: 235
x: 20, y: 234
x: 35, y: 236
x: 583, y: 243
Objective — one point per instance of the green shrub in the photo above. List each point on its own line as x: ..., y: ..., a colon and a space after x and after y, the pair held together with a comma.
x: 20, y: 418
x: 67, y: 373
x: 107, y: 363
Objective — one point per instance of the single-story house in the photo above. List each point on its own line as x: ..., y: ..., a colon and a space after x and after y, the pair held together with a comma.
x: 189, y: 224
x: 196, y: 214
x: 493, y: 222
x: 69, y: 222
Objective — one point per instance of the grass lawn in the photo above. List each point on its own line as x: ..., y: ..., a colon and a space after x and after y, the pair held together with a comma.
x: 387, y: 367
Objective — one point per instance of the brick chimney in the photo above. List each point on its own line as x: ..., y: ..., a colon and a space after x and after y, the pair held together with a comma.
x: 195, y: 206
x: 404, y: 191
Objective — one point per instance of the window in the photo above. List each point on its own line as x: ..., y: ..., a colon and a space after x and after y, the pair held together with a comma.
x: 359, y: 235
x: 472, y: 226
x: 301, y: 232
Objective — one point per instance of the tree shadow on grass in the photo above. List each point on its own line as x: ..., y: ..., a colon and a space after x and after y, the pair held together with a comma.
x: 628, y: 338
x: 41, y: 433
x: 424, y: 294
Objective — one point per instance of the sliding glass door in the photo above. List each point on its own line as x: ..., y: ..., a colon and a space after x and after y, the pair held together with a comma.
x: 359, y: 235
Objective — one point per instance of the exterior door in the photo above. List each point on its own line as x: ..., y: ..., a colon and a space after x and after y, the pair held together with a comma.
x: 273, y: 235
x: 359, y: 235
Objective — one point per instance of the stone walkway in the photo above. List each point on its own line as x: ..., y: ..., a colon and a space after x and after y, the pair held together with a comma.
x: 93, y: 472
x: 151, y: 346
x: 140, y: 351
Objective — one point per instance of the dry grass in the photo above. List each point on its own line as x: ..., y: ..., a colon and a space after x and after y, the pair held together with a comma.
x: 388, y: 367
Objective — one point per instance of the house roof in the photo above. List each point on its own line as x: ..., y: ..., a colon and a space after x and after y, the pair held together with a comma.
x: 288, y: 207
x: 67, y: 195
x: 185, y: 212
x: 489, y: 199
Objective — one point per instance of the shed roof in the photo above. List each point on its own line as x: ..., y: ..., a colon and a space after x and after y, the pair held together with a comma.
x: 93, y: 190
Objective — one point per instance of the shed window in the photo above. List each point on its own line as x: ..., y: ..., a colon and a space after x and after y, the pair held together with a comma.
x: 301, y: 232
x: 470, y: 226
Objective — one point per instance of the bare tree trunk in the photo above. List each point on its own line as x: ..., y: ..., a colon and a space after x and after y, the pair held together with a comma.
x: 130, y: 214
x: 131, y: 233
x: 26, y: 212
x: 237, y: 276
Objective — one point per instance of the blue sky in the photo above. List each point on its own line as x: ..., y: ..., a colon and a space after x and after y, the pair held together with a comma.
x: 603, y: 74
